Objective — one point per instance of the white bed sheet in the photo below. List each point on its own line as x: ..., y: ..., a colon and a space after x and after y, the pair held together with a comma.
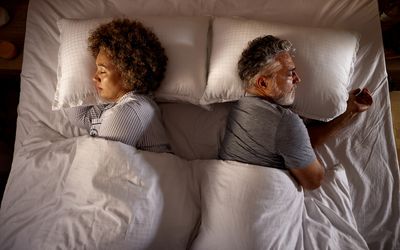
x: 366, y: 149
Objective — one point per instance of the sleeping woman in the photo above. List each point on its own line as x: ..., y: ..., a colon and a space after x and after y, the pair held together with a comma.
x: 130, y: 64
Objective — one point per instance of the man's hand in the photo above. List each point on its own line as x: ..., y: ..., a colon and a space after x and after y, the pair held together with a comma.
x: 359, y: 101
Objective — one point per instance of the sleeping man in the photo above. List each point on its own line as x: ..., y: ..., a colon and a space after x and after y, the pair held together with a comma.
x: 130, y: 65
x: 262, y: 130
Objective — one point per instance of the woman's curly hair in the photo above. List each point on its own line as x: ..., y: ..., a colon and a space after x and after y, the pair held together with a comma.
x: 259, y: 54
x: 135, y: 50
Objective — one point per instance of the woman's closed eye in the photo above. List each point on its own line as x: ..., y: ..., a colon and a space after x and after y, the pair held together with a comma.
x: 101, y: 70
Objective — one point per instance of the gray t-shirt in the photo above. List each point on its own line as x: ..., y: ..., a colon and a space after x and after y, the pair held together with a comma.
x: 262, y: 133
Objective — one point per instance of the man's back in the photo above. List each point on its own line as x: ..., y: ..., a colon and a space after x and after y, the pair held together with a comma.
x: 262, y: 133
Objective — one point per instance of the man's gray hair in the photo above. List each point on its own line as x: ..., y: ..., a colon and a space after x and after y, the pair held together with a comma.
x: 259, y: 54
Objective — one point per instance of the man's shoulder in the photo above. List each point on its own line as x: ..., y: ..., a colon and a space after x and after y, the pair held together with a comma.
x: 291, y: 119
x: 257, y: 103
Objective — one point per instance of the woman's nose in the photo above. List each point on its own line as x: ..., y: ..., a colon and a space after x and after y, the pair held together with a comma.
x: 96, y: 78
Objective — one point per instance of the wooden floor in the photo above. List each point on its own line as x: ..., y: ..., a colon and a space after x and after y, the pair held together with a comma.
x: 395, y: 101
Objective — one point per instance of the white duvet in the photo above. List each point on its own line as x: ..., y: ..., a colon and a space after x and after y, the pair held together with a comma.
x: 90, y: 193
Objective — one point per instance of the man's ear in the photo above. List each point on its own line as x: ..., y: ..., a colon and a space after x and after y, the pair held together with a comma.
x: 262, y: 82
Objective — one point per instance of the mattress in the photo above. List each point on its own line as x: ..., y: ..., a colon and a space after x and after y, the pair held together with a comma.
x: 360, y: 204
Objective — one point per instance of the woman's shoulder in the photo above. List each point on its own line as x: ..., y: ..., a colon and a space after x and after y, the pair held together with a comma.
x: 135, y: 103
x: 133, y: 100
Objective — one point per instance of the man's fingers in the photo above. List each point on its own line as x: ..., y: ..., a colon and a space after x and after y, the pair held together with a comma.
x: 355, y: 91
x: 364, y: 98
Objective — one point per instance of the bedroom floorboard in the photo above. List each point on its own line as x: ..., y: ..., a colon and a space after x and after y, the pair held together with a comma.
x: 395, y: 104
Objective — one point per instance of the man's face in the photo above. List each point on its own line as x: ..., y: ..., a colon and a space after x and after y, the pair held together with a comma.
x: 107, y: 78
x: 285, y: 80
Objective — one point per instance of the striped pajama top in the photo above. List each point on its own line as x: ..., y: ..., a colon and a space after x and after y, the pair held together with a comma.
x: 134, y: 120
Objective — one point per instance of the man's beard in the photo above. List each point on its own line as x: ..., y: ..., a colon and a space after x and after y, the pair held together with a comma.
x: 287, y: 99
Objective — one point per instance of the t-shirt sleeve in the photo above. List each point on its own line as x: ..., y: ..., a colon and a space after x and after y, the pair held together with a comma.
x: 293, y: 142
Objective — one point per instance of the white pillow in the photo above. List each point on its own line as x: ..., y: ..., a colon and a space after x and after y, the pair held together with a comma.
x: 324, y: 60
x: 185, y: 42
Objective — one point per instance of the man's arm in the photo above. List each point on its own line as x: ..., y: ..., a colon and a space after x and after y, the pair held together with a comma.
x: 309, y: 177
x: 359, y: 101
x: 293, y: 144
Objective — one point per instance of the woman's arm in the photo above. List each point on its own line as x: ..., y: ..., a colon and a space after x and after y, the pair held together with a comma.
x: 126, y: 123
x: 82, y: 116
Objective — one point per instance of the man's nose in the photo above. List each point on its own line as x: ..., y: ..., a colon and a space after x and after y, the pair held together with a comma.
x: 296, y: 78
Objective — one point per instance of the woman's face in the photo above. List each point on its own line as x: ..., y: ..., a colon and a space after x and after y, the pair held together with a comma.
x: 107, y: 78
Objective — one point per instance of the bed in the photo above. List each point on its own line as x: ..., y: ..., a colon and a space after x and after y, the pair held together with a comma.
x: 67, y: 190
